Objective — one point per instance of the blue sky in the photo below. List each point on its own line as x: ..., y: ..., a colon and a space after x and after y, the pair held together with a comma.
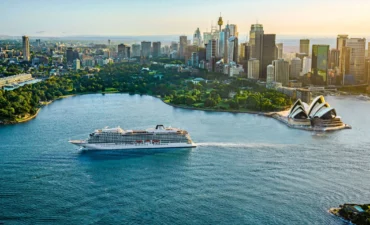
x: 156, y: 17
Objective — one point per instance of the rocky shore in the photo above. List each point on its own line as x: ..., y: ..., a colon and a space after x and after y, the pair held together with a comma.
x: 353, y: 213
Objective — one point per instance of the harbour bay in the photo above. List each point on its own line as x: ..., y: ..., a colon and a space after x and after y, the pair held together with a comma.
x: 248, y: 169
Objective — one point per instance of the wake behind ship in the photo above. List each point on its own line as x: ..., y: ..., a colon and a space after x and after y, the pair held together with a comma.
x: 119, y: 139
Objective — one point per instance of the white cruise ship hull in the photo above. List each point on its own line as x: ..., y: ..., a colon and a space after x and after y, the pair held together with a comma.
x: 114, y: 146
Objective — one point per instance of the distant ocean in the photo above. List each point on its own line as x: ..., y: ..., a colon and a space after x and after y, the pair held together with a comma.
x: 291, y: 43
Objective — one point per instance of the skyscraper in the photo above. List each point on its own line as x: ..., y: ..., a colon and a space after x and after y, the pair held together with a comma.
x: 320, y: 61
x: 357, y: 58
x: 156, y: 49
x: 234, y: 30
x: 146, y: 49
x: 307, y: 64
x: 69, y: 54
x: 121, y: 50
x: 281, y: 71
x: 268, y: 53
x: 253, y: 69
x: 233, y: 49
x: 304, y: 46
x: 341, y: 42
x: 295, y: 67
x: 334, y: 59
x: 26, y: 48
x: 226, y: 32
x: 256, y: 42
x: 368, y: 50
x: 183, y: 44
x: 280, y: 50
x: 211, y: 50
x: 197, y: 38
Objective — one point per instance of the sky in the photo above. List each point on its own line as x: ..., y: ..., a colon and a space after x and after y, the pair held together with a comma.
x: 178, y: 17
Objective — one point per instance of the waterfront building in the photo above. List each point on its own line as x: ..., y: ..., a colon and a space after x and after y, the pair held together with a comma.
x: 183, y: 44
x: 136, y: 48
x: 15, y: 79
x: 156, y: 49
x: 320, y: 59
x: 304, y: 46
x: 281, y: 71
x: 76, y: 64
x: 26, y: 48
x: 319, y: 114
x: 280, y: 50
x: 253, y: 69
x: 357, y: 58
x: 146, y: 49
x: 295, y: 67
x: 268, y: 53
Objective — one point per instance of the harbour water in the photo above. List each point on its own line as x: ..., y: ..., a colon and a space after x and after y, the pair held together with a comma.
x: 248, y: 169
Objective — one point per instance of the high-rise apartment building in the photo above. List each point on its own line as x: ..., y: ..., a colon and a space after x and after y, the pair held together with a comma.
x: 357, y: 58
x: 156, y: 49
x: 320, y: 61
x: 304, y: 46
x: 136, y: 48
x: 281, y: 71
x: 270, y: 74
x: 26, y: 48
x: 146, y: 49
x: 183, y: 44
x: 76, y: 64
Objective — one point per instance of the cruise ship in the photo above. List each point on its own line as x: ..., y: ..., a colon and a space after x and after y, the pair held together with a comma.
x: 119, y: 139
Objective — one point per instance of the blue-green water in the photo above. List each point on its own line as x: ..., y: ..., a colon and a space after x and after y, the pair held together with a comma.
x: 248, y: 169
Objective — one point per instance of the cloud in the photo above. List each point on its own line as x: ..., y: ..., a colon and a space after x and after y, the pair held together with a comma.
x: 40, y: 32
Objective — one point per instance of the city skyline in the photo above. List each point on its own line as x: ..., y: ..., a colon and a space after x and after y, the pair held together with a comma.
x: 143, y: 17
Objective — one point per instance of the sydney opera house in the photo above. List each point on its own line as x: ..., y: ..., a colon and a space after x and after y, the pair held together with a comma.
x: 319, y: 115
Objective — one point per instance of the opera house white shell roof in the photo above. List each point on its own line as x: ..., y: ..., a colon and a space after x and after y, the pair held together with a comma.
x: 319, y: 108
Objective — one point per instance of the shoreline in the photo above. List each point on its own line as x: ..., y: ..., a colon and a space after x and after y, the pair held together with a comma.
x: 271, y: 114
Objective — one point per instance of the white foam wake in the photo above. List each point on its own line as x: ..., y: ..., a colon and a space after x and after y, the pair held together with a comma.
x: 240, y: 145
